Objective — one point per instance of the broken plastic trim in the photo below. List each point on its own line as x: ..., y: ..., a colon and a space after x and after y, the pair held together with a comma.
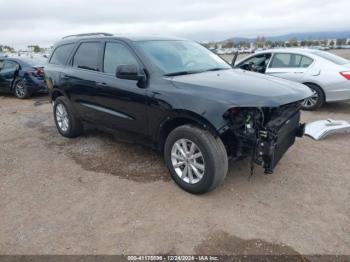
x: 320, y: 129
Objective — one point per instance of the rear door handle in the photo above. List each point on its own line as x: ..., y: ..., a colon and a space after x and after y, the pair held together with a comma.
x: 65, y: 76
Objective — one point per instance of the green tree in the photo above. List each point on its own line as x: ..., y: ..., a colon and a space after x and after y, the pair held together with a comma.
x: 341, y: 41
x: 0, y: 48
x: 293, y: 42
x: 260, y: 42
x: 243, y: 44
x: 37, y: 49
x: 227, y: 45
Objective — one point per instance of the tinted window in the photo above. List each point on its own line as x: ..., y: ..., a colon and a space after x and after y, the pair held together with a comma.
x: 86, y: 56
x: 61, y: 53
x: 290, y: 61
x: 331, y: 57
x: 117, y: 54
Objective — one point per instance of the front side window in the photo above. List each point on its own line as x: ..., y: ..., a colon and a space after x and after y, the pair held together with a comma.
x: 176, y: 56
x: 117, y: 54
x: 258, y: 60
x: 61, y: 53
x: 87, y: 56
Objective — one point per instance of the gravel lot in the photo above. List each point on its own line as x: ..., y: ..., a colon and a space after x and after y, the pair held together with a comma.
x: 101, y: 194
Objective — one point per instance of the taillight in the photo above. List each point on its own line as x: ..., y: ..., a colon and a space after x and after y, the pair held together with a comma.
x: 38, y: 71
x: 346, y: 74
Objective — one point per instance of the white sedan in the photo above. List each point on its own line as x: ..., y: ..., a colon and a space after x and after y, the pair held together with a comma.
x: 327, y: 75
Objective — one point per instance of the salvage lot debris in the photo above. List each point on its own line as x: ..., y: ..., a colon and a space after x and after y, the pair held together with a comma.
x: 322, y: 128
x: 53, y: 201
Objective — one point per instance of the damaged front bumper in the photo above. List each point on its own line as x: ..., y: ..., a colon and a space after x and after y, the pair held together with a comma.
x: 265, y: 134
x: 272, y: 143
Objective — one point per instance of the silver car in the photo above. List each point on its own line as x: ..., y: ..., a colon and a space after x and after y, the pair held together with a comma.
x: 327, y: 75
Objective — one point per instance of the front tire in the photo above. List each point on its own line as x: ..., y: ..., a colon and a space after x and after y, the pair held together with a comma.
x: 67, y: 123
x: 317, y: 99
x: 20, y: 90
x: 197, y: 161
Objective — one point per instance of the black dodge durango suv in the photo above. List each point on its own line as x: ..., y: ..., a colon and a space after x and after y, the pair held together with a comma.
x: 177, y: 95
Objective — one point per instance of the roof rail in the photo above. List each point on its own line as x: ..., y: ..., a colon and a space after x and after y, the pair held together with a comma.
x: 88, y: 34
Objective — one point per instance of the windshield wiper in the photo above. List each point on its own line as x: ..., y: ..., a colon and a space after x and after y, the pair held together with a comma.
x: 182, y: 73
x: 195, y: 72
x: 215, y: 69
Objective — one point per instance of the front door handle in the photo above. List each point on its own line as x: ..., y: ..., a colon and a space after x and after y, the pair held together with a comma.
x: 101, y: 84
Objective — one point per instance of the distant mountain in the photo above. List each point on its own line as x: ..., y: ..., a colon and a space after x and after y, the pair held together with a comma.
x: 299, y: 36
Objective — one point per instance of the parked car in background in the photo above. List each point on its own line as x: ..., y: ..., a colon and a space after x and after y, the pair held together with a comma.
x: 178, y: 97
x: 22, y: 76
x: 327, y: 75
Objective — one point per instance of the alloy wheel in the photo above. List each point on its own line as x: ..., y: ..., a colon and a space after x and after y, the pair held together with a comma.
x: 20, y: 90
x: 62, y: 117
x: 188, y: 161
x: 312, y: 100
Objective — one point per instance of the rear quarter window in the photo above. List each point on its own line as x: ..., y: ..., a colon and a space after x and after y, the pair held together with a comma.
x: 61, y: 54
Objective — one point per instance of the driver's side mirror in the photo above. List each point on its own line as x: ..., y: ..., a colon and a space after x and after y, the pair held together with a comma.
x: 129, y: 72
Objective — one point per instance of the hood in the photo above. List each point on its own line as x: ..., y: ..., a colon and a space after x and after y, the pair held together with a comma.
x: 243, y: 88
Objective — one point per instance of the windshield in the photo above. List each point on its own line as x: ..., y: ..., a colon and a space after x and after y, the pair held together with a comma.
x: 181, y: 57
x: 331, y: 57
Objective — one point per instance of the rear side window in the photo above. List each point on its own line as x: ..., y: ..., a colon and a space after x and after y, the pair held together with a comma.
x: 61, y: 53
x: 117, y: 54
x: 9, y: 65
x: 87, y: 56
x: 290, y: 61
x: 306, y: 62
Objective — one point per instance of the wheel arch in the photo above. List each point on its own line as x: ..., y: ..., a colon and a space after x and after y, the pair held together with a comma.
x: 315, y: 84
x: 55, y: 92
x: 179, y: 119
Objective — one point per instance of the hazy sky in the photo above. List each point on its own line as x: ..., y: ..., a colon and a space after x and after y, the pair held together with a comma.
x: 43, y: 22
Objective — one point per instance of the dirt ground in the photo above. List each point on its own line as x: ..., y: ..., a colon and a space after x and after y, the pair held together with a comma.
x: 99, y: 194
x: 102, y: 194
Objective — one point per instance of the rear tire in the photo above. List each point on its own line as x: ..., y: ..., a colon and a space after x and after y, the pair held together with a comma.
x: 20, y: 90
x: 67, y: 123
x: 201, y: 170
x: 316, y: 101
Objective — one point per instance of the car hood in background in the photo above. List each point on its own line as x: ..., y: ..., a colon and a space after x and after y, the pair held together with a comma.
x: 243, y: 88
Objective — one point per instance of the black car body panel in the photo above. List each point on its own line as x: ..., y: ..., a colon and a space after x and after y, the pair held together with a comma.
x: 26, y: 71
x: 208, y: 99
